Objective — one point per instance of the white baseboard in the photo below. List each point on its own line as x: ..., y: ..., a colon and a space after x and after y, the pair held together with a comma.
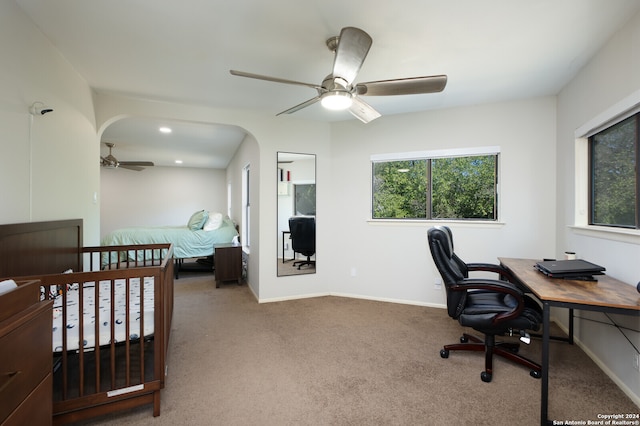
x: 352, y: 296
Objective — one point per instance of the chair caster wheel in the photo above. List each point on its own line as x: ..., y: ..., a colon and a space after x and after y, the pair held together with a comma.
x: 535, y: 374
x: 444, y: 353
x: 486, y: 377
x: 464, y: 339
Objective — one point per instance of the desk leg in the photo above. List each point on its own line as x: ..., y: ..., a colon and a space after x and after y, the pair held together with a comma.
x: 544, y: 397
x: 571, y: 326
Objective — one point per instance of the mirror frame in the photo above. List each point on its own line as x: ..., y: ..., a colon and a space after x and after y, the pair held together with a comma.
x: 288, y: 176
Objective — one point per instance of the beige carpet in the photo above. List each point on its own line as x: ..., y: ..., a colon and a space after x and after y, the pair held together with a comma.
x: 286, y: 268
x: 339, y: 361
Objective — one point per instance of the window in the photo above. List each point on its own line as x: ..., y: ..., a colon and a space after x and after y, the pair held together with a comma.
x: 613, y: 175
x: 229, y: 192
x: 246, y: 207
x: 436, y: 186
x: 304, y: 200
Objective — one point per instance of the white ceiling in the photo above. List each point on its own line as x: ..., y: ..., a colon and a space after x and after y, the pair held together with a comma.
x: 491, y: 50
x: 195, y: 144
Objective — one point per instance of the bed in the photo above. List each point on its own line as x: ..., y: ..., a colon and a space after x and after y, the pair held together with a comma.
x: 194, y: 240
x: 113, y: 356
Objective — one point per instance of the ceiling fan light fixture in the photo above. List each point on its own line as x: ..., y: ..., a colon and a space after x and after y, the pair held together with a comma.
x: 336, y: 100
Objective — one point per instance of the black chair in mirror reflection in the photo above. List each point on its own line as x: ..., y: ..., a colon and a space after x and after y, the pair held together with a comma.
x: 493, y: 307
x: 303, y: 239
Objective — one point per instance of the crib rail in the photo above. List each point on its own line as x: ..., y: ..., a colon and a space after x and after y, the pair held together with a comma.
x: 126, y: 256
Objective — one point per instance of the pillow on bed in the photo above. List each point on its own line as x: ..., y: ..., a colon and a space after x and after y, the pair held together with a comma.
x: 197, y: 220
x: 214, y: 222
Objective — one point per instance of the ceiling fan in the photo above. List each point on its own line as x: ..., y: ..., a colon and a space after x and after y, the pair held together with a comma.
x: 112, y: 162
x: 338, y: 91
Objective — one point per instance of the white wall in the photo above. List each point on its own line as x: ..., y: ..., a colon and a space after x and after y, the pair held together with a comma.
x: 613, y: 75
x: 48, y: 163
x: 159, y: 196
x: 392, y: 260
x: 248, y: 154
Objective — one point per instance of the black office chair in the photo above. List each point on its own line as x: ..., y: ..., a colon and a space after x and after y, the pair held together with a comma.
x: 303, y: 238
x: 489, y: 306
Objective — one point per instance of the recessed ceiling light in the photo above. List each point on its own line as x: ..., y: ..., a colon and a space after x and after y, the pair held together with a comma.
x: 178, y: 161
x: 165, y: 130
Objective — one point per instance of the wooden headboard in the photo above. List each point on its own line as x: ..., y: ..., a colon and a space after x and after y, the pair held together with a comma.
x: 37, y: 248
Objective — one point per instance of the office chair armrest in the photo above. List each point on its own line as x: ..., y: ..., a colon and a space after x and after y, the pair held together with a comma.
x: 504, y: 273
x: 495, y: 286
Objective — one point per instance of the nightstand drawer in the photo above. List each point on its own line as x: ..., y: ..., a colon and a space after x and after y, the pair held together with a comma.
x: 26, y: 357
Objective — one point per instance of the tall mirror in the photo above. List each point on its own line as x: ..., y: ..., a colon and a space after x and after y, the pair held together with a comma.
x: 296, y: 213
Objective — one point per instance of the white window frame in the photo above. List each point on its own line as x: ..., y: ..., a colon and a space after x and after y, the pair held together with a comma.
x: 433, y: 154
x: 612, y: 115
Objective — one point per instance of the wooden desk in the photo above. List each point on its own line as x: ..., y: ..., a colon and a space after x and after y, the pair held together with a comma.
x: 604, y: 295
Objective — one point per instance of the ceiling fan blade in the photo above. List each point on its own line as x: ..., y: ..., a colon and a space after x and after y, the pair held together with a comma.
x: 130, y: 167
x: 353, y: 47
x: 136, y: 163
x: 273, y: 79
x: 363, y: 111
x: 300, y: 106
x: 403, y: 86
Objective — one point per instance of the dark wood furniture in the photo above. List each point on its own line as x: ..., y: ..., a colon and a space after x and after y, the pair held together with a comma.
x: 227, y: 259
x: 25, y: 356
x: 604, y: 295
x: 40, y: 247
x: 89, y: 382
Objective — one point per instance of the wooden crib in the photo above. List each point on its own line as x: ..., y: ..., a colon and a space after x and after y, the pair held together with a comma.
x: 111, y: 324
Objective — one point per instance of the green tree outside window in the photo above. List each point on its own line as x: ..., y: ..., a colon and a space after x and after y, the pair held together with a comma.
x: 441, y: 188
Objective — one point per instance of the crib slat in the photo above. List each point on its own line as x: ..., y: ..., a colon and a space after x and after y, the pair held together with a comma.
x: 141, y: 334
x: 80, y: 337
x: 98, y: 357
x: 112, y: 329
x: 128, y: 333
x: 65, y: 363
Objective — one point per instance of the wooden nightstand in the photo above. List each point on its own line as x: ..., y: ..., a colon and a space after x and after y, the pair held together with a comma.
x: 227, y: 263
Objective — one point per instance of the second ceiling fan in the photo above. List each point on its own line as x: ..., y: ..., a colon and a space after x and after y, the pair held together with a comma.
x: 338, y: 91
x: 112, y: 162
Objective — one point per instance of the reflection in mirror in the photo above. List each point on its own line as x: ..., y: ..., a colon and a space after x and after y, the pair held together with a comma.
x: 296, y: 213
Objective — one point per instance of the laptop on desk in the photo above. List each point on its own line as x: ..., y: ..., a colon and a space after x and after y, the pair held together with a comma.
x: 570, y: 269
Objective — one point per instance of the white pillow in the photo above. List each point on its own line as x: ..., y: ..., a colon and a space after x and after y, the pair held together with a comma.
x: 214, y: 222
x: 7, y: 285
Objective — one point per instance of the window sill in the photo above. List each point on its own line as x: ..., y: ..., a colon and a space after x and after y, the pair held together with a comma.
x: 428, y: 222
x: 631, y: 236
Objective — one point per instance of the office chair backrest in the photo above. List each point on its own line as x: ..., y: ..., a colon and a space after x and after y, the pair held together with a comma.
x: 303, y: 235
x: 461, y: 264
x: 441, y: 246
